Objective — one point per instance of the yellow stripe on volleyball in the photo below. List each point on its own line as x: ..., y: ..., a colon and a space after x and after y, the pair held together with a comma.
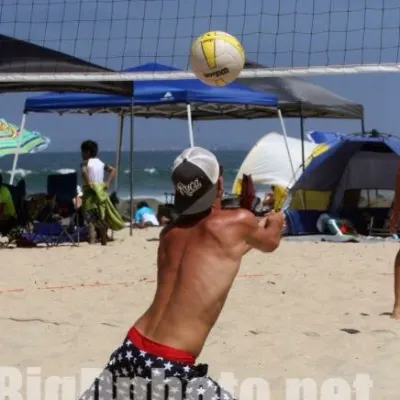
x: 207, y: 41
x: 208, y: 48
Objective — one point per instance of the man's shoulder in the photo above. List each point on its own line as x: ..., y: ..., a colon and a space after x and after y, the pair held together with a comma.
x: 237, y: 220
x: 237, y: 215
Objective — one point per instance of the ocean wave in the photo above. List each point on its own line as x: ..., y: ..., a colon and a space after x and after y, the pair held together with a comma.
x: 64, y: 171
x: 24, y: 172
x: 18, y: 172
x: 150, y: 171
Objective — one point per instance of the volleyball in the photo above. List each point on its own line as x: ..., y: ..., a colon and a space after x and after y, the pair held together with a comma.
x: 217, y: 58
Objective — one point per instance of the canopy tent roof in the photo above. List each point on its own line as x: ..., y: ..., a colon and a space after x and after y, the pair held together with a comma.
x: 356, y: 156
x: 18, y: 56
x: 298, y: 97
x: 165, y: 99
x: 268, y: 161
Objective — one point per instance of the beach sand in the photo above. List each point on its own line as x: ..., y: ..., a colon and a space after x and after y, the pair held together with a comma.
x: 67, y: 308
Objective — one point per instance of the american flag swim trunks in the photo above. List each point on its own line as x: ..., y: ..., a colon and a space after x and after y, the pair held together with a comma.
x: 134, y: 374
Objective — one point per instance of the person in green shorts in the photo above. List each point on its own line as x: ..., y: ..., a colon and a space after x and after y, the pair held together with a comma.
x: 7, y: 209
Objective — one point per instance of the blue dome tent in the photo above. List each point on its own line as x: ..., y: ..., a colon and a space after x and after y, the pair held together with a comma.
x: 341, y: 167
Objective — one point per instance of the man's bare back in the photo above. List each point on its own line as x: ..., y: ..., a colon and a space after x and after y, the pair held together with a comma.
x: 197, y: 264
x: 199, y: 257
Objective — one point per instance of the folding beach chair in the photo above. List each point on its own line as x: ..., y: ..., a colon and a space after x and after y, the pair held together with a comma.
x: 63, y: 189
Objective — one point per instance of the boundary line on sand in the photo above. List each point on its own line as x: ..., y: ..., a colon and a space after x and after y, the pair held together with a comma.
x: 104, y: 284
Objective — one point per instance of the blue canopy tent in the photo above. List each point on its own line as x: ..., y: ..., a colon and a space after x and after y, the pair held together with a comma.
x: 341, y: 168
x: 172, y: 99
x: 177, y: 99
x: 165, y: 99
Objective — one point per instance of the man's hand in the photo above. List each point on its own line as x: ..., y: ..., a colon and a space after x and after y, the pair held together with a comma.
x: 275, y: 218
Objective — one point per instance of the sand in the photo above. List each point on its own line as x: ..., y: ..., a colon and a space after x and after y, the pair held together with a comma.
x: 71, y: 307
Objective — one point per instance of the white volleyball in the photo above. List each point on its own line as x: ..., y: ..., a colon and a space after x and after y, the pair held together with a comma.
x: 217, y: 58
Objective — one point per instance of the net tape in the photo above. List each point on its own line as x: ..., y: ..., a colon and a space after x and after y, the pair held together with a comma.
x: 248, y: 73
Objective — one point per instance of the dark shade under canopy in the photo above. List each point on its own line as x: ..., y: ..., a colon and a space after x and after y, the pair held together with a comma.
x: 18, y: 56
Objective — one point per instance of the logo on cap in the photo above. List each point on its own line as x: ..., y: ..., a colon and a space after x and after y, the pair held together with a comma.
x: 189, y: 189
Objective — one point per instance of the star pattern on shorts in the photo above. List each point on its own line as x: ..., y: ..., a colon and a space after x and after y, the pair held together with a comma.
x: 130, y: 373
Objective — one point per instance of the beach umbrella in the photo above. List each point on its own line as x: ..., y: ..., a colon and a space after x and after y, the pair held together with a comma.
x: 14, y: 142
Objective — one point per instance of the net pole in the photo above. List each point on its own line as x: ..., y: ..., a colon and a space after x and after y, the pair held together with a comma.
x: 119, y: 149
x: 131, y: 128
x: 15, y: 160
x: 190, y: 125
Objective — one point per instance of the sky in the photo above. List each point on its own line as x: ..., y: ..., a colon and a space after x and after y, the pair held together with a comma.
x: 121, y: 34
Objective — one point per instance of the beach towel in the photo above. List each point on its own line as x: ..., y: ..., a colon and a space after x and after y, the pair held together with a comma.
x: 95, y: 201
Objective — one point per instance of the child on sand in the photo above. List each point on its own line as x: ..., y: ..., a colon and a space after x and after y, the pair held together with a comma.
x: 144, y: 216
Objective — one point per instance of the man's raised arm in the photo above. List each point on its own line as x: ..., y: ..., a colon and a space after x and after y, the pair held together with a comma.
x: 264, y: 234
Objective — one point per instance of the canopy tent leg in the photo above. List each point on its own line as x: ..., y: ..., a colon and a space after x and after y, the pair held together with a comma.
x: 131, y: 128
x: 190, y: 125
x: 287, y: 144
x: 288, y: 149
x: 14, y: 166
x: 362, y: 125
x: 303, y: 155
x: 118, y: 155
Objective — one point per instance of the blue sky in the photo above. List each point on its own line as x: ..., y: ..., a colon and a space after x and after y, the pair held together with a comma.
x: 122, y: 33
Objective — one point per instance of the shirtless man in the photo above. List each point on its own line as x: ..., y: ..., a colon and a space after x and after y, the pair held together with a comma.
x: 394, y: 223
x: 199, y: 256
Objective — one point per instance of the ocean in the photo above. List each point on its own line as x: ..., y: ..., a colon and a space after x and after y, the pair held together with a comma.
x: 152, y: 176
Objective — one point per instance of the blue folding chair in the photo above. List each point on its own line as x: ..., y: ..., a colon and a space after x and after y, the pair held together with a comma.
x: 63, y: 189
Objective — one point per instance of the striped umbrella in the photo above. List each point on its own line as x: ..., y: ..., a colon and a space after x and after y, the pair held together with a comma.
x: 14, y: 142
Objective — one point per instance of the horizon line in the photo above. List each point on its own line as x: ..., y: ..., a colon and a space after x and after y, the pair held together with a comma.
x: 137, y: 150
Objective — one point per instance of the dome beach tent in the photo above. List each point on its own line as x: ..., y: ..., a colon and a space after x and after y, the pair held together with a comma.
x: 268, y: 163
x: 346, y: 163
x: 188, y: 99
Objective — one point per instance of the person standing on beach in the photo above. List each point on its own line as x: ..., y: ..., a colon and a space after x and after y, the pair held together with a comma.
x: 94, y: 188
x: 394, y: 223
x: 198, y: 258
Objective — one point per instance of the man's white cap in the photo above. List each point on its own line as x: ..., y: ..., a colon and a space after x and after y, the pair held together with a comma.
x: 195, y: 174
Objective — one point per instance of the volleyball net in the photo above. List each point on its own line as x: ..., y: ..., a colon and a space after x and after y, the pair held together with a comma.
x: 285, y: 37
